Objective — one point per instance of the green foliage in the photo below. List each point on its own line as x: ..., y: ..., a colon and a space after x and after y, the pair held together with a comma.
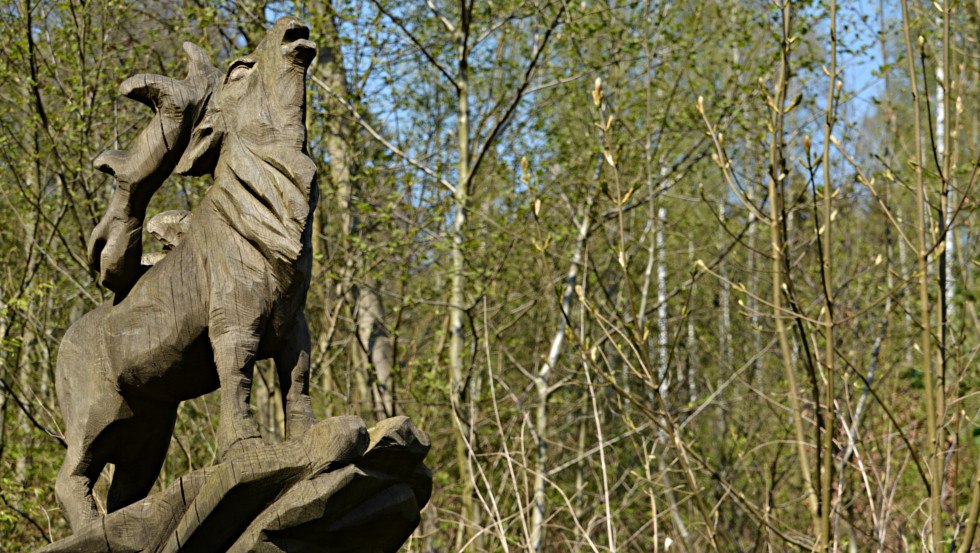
x: 696, y: 348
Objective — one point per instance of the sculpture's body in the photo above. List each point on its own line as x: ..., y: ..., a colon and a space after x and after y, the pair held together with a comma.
x: 228, y: 290
x: 229, y: 293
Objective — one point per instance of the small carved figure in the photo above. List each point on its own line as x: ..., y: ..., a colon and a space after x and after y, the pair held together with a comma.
x: 229, y: 291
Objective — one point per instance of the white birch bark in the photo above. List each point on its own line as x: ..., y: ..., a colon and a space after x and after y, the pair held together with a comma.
x: 542, y: 383
x: 457, y: 278
x: 725, y: 323
x: 941, y: 123
x: 662, y: 304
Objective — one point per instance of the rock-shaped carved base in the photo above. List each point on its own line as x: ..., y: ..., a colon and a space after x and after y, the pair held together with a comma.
x: 340, y: 488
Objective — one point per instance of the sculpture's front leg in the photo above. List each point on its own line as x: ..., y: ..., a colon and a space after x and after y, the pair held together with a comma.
x: 234, y: 355
x: 237, y: 318
x: 115, y: 246
x: 293, y: 369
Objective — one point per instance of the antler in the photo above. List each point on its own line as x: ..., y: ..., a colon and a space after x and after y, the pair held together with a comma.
x: 115, y: 246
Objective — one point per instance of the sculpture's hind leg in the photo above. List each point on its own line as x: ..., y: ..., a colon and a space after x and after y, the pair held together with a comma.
x: 84, y: 399
x: 140, y: 455
x: 293, y: 369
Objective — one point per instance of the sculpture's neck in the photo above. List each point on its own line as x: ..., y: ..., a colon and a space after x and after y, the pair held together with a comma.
x: 267, y: 193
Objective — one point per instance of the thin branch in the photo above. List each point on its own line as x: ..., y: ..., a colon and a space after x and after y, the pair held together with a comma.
x: 377, y: 136
x: 418, y: 44
x: 516, y: 100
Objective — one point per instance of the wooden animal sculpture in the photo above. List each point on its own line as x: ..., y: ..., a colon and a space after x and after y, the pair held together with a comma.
x: 230, y: 291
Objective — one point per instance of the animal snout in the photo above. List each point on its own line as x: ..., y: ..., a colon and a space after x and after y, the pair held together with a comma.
x: 296, y: 42
x: 295, y: 31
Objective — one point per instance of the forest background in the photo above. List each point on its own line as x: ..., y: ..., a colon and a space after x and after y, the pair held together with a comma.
x: 654, y: 275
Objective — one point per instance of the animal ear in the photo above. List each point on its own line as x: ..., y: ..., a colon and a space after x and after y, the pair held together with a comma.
x: 201, y: 154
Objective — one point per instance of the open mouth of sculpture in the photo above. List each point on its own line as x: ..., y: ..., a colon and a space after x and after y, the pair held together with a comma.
x: 296, y: 41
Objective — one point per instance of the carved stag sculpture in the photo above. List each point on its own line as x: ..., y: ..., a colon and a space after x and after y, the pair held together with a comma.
x: 229, y: 292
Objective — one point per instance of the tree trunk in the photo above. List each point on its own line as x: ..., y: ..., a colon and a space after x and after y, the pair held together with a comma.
x: 457, y: 282
x: 542, y: 384
x: 365, y: 301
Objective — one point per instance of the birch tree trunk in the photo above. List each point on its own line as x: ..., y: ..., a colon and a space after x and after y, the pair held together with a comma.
x: 725, y: 323
x: 662, y: 307
x: 542, y: 384
x: 457, y: 277
x: 922, y: 262
x: 365, y: 301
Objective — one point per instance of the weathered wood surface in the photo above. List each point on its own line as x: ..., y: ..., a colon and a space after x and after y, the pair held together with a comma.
x: 229, y: 289
x: 340, y: 488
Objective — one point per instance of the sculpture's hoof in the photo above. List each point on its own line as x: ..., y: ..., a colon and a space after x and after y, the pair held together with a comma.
x: 239, y: 448
x: 298, y: 424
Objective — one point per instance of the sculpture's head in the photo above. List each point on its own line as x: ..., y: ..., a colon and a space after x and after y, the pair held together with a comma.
x: 260, y: 99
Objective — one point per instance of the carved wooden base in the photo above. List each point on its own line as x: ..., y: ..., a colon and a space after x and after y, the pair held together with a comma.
x: 340, y: 488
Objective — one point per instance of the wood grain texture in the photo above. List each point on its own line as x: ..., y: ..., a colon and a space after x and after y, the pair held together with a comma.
x: 228, y: 290
x: 339, y: 488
